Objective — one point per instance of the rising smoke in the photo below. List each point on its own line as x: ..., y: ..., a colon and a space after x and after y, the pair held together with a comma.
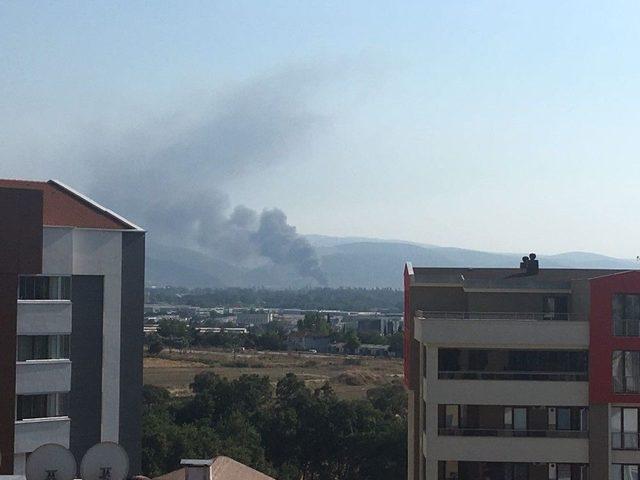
x: 171, y: 177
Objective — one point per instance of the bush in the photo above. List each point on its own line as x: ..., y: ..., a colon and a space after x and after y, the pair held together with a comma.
x: 155, y: 347
x: 243, y: 364
x: 352, y: 361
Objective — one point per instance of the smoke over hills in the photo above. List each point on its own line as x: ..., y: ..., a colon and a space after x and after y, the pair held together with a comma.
x: 170, y: 177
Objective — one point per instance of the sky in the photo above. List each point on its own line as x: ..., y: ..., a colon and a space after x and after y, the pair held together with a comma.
x: 491, y: 125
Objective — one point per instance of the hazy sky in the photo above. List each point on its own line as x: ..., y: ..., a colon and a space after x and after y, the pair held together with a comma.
x: 503, y: 126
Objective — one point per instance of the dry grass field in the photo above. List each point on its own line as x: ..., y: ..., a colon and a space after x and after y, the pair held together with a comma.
x: 349, y: 376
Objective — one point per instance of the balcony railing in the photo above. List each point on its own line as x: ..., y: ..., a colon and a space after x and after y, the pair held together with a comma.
x: 509, y: 316
x: 498, y: 432
x: 510, y: 375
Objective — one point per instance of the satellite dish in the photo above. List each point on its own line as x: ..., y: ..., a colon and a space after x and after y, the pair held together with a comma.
x: 105, y: 461
x: 51, y: 462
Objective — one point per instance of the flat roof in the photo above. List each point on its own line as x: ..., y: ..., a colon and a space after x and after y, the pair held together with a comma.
x: 505, y: 278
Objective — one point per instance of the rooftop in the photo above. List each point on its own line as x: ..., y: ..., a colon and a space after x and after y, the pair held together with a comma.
x: 65, y: 207
x: 222, y: 468
x: 504, y: 278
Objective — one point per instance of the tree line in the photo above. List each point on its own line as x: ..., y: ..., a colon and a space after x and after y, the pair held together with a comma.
x: 289, y: 432
x: 346, y: 299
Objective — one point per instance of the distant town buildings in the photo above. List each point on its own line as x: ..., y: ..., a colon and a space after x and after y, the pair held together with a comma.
x: 71, y: 310
x: 526, y: 373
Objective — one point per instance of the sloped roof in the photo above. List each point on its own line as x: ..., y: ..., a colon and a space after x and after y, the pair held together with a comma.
x: 65, y: 207
x: 223, y: 468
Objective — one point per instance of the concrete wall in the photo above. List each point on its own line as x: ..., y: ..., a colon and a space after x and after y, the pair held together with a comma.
x: 20, y: 253
x: 131, y: 345
x: 514, y: 449
x: 503, y: 333
x: 99, y: 252
x: 85, y: 399
x: 505, y: 302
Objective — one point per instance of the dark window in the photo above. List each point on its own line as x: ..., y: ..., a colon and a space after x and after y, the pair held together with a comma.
x: 626, y: 315
x: 625, y: 370
x: 556, y: 308
x: 41, y: 406
x: 424, y: 361
x: 452, y: 470
x: 502, y: 421
x: 42, y: 347
x: 502, y: 364
x: 45, y: 288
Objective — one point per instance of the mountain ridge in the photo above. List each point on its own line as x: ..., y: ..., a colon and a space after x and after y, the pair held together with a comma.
x: 346, y: 262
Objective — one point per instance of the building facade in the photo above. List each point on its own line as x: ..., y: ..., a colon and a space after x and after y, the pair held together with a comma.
x: 522, y: 374
x: 71, y: 314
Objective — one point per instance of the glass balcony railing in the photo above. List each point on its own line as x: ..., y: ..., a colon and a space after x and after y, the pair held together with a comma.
x: 511, y: 316
x: 510, y: 375
x: 497, y: 432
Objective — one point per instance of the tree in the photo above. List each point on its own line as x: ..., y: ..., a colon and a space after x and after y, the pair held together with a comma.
x: 296, y: 433
x: 396, y: 343
x: 156, y: 345
x: 390, y: 399
x: 352, y: 342
x: 171, y: 328
x: 315, y: 323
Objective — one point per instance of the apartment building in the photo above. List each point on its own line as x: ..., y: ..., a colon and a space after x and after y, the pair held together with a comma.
x: 71, y: 322
x: 522, y: 374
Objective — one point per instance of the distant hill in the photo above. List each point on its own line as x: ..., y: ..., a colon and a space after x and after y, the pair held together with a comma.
x: 346, y: 262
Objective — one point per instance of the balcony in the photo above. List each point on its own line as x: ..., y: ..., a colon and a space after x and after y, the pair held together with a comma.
x: 485, y: 432
x: 505, y: 375
x: 32, y: 433
x: 506, y: 392
x: 509, y: 449
x: 509, y: 316
x: 502, y: 329
x: 44, y: 317
x: 42, y: 376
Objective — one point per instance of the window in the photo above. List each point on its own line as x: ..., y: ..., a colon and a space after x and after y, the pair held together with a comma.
x: 41, y: 406
x: 626, y: 315
x: 515, y: 418
x: 573, y: 419
x: 424, y: 361
x: 556, y: 308
x: 513, y: 471
x: 624, y: 428
x: 42, y: 347
x: 452, y: 415
x: 38, y: 287
x: 563, y: 418
x: 503, y: 364
x: 624, y: 472
x: 625, y: 369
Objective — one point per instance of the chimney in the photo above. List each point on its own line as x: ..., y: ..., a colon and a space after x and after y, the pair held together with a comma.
x: 529, y: 265
x: 197, y: 469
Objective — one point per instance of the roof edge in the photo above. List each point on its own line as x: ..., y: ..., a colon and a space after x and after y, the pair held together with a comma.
x: 95, y: 205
